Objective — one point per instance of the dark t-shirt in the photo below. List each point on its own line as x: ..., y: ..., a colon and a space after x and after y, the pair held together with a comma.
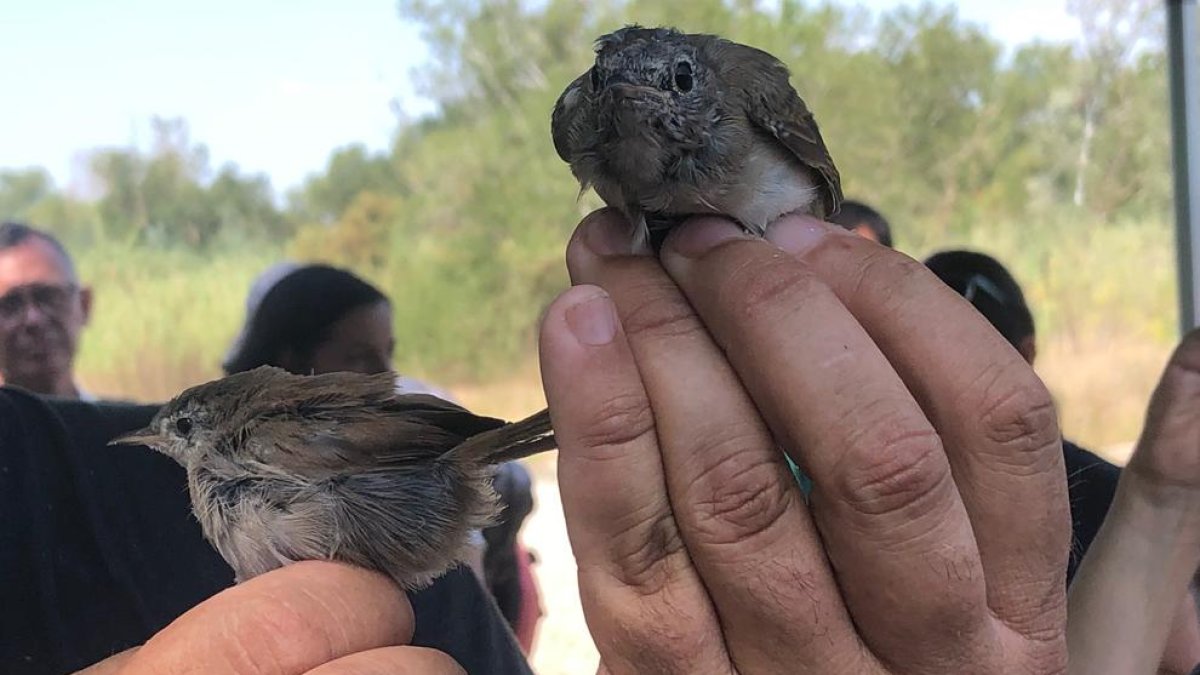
x: 1091, y: 484
x: 99, y: 551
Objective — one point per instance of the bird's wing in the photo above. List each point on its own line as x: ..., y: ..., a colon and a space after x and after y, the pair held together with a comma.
x: 334, y: 426
x: 772, y: 105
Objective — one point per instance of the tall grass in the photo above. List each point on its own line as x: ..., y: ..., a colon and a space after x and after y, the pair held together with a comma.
x: 1103, y: 297
x: 162, y: 319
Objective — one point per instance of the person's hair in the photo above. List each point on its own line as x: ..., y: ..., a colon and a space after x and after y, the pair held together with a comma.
x: 853, y: 213
x: 987, y: 285
x: 296, y: 314
x: 13, y: 234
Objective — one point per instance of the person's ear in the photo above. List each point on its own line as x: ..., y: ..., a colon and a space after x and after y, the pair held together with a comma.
x: 85, y: 303
x: 865, y: 232
x: 1028, y: 348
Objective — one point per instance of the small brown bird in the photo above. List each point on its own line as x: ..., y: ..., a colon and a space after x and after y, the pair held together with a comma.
x: 285, y: 467
x: 667, y: 125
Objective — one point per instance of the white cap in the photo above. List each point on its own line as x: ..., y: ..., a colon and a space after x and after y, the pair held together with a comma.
x: 258, y: 290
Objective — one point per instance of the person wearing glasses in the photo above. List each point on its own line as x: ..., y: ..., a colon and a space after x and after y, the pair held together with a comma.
x: 43, y: 310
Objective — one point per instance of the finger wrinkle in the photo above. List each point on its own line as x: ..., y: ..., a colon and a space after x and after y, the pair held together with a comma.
x: 741, y: 496
x: 756, y: 289
x: 337, y: 636
x: 1041, y: 613
x: 661, y: 319
x: 954, y: 564
x: 1020, y: 418
x: 620, y: 421
x: 647, y: 553
x: 259, y: 638
x: 893, y: 473
x: 883, y: 274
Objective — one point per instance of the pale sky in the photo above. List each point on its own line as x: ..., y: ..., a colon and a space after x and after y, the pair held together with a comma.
x: 271, y: 85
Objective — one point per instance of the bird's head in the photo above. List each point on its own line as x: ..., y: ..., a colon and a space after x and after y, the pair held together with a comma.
x: 648, y: 99
x: 202, y: 416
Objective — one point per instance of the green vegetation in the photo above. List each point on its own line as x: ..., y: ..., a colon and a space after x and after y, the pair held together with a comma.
x: 1054, y: 157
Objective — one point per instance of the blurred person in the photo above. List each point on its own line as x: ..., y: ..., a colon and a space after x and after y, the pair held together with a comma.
x: 313, y: 319
x: 1091, y: 481
x: 507, y: 563
x: 1126, y: 593
x: 864, y: 221
x: 43, y: 311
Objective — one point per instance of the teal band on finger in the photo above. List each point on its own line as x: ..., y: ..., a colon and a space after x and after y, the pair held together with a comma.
x: 805, y: 483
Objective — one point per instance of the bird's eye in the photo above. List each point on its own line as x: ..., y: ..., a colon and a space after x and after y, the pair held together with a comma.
x: 683, y: 76
x: 183, y: 426
x: 595, y: 79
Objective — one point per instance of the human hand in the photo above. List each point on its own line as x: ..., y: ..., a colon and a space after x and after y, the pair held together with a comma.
x: 936, y: 538
x: 311, y: 617
x: 1134, y: 579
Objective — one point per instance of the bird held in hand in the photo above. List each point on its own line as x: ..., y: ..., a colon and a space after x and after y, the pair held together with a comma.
x: 283, y: 468
x: 666, y: 125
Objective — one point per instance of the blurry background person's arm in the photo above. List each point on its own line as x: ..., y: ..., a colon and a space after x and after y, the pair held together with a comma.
x: 1128, y: 592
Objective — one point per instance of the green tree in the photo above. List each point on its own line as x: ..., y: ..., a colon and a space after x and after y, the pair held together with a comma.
x: 168, y: 197
x: 1113, y: 31
x: 351, y: 170
x: 21, y: 190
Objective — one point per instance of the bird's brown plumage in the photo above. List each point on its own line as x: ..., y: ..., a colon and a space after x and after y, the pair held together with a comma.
x: 728, y: 135
x: 284, y: 467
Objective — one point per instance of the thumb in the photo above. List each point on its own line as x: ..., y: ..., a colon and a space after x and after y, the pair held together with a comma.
x: 1168, y: 452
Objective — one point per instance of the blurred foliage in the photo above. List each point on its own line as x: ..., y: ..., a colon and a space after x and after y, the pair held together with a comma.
x: 1044, y: 154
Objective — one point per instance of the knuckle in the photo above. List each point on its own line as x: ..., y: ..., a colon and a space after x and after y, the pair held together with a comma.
x: 653, y: 315
x: 740, y: 495
x: 758, y: 289
x: 645, y: 552
x: 1018, y: 416
x: 619, y: 421
x: 884, y: 271
x: 893, y: 467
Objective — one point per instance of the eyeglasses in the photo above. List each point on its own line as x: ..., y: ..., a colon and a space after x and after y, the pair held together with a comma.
x: 49, y: 298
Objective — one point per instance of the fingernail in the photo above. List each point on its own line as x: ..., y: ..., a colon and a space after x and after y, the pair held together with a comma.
x: 593, y: 320
x: 606, y: 232
x: 697, y: 236
x: 798, y: 233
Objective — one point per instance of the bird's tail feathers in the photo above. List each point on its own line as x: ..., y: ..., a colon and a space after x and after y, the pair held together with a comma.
x: 512, y: 441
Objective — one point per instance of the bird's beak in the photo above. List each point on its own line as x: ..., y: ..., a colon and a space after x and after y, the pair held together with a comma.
x: 626, y: 90
x: 147, y: 437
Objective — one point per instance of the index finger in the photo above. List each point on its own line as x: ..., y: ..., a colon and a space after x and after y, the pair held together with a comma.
x: 285, y: 622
